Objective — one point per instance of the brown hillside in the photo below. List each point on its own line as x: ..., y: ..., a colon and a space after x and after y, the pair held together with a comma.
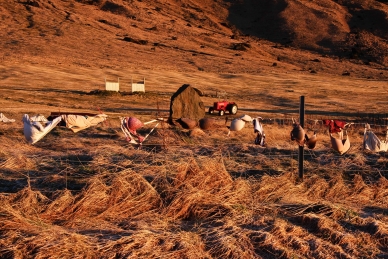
x: 347, y: 29
x: 213, y: 36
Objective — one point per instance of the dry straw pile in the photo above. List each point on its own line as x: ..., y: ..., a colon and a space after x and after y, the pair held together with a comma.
x: 194, y: 199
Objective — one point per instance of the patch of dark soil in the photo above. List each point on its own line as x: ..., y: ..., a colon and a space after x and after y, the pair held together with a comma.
x: 376, y: 210
x: 109, y: 23
x: 12, y: 185
x: 104, y: 93
x: 30, y: 3
x: 115, y: 8
x: 90, y: 2
x: 136, y: 41
x: 240, y: 46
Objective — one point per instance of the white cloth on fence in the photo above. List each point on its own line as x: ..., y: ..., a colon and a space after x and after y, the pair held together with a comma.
x: 35, y: 130
x: 237, y: 125
x: 258, y: 128
x: 246, y: 118
x: 340, y: 144
x: 372, y: 142
x: 384, y: 146
x: 5, y: 119
x: 80, y: 122
x: 39, y: 117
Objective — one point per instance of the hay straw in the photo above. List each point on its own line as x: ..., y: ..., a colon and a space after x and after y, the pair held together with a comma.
x: 193, y: 199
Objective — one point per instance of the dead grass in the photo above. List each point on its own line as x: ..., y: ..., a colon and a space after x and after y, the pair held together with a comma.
x: 184, y: 197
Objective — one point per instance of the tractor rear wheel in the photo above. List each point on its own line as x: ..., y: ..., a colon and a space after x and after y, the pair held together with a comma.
x: 233, y: 109
x: 221, y: 112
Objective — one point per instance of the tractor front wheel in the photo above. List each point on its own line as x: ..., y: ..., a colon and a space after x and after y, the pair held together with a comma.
x: 211, y: 110
x: 221, y: 112
x: 233, y: 109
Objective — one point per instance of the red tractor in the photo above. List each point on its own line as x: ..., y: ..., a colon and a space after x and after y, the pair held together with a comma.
x: 223, y: 106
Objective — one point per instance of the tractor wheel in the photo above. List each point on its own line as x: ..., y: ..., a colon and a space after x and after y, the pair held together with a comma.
x: 211, y: 110
x: 221, y: 112
x: 233, y: 109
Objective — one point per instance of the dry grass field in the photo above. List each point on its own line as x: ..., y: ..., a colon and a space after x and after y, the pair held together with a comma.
x: 193, y: 193
x: 189, y: 195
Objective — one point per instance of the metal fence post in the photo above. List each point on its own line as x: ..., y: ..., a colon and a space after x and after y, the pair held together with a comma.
x: 301, y: 153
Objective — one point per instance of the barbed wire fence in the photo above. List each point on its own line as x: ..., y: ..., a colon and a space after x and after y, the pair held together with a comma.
x: 379, y: 122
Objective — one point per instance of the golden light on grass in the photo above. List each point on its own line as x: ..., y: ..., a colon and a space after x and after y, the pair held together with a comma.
x: 192, y: 193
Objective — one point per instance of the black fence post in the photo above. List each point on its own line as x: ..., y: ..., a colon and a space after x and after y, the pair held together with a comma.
x: 301, y: 148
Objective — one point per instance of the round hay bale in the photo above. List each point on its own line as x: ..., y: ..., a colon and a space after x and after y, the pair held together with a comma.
x: 187, y: 123
x: 246, y: 118
x: 237, y: 125
x: 206, y: 123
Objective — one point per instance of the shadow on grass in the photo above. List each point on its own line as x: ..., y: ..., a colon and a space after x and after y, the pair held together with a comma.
x: 375, y: 210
